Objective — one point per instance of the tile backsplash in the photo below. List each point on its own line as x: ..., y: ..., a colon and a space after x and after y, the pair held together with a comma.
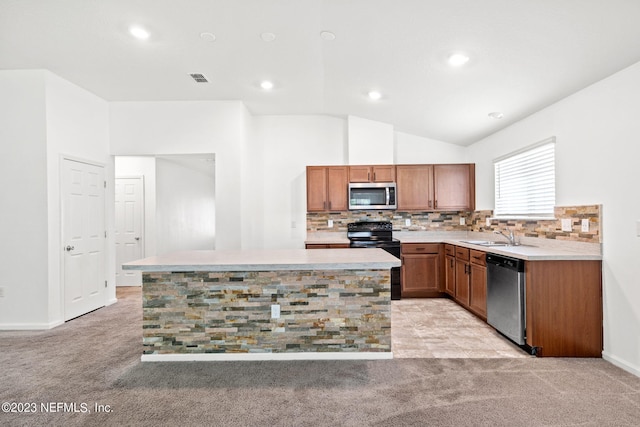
x: 473, y: 221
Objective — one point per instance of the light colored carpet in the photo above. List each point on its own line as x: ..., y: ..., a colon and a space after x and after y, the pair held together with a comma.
x: 95, y: 360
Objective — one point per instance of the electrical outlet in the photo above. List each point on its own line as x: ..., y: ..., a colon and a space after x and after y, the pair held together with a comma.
x: 566, y: 224
x: 487, y: 222
x: 585, y: 225
x: 275, y: 311
x: 407, y: 222
x: 463, y: 221
x: 330, y: 223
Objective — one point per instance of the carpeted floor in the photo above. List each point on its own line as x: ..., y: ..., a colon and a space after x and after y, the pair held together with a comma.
x: 95, y: 360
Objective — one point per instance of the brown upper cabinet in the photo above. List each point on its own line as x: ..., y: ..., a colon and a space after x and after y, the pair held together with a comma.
x: 414, y: 187
x: 454, y: 187
x: 377, y: 173
x: 436, y: 187
x: 327, y: 188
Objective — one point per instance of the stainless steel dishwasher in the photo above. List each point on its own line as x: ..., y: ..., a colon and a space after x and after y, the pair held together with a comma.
x: 506, y: 296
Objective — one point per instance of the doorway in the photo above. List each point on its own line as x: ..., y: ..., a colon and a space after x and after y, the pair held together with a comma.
x: 178, y: 203
x: 129, y: 227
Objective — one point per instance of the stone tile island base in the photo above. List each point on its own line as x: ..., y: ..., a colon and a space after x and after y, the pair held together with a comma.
x: 227, y: 315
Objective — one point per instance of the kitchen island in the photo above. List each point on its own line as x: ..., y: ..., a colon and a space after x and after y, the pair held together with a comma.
x: 267, y: 304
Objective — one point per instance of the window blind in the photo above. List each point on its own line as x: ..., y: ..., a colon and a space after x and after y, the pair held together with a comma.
x: 526, y: 181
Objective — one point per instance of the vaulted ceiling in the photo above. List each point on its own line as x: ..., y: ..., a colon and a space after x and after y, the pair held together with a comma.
x: 523, y: 54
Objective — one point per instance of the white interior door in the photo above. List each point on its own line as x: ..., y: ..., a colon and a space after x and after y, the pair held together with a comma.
x: 129, y: 211
x: 83, y: 237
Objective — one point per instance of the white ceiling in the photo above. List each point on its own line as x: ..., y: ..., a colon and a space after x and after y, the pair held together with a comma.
x: 525, y: 54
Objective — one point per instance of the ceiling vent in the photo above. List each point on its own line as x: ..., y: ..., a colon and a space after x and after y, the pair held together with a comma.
x: 199, y: 78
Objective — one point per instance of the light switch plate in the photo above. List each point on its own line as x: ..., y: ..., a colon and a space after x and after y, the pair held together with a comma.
x: 638, y: 228
x: 407, y: 222
x: 463, y: 221
x: 585, y: 225
x: 488, y: 222
x: 330, y: 223
x: 566, y: 224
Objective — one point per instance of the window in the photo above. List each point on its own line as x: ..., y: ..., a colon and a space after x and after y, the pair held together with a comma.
x: 526, y: 181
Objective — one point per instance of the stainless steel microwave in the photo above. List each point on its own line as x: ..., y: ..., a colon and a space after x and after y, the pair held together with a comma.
x: 372, y: 195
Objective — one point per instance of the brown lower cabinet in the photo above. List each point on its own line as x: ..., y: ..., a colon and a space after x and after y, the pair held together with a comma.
x: 563, y: 300
x: 326, y: 245
x: 564, y: 308
x: 462, y: 277
x: 478, y: 283
x: 421, y: 264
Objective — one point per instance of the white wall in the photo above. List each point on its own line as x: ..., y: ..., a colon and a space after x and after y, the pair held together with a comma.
x: 370, y: 142
x: 411, y: 149
x: 190, y: 127
x: 185, y: 198
x: 597, y: 131
x: 289, y: 144
x: 23, y: 217
x: 43, y: 117
x: 77, y: 126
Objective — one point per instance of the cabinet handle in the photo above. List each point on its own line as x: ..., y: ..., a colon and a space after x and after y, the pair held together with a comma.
x: 451, y: 262
x: 324, y: 205
x: 329, y: 204
x: 368, y: 176
x: 435, y: 204
x: 429, y: 203
x: 374, y: 176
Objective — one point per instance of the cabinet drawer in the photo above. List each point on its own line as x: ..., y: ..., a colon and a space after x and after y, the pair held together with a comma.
x: 462, y: 253
x: 449, y: 250
x: 420, y: 248
x: 478, y: 257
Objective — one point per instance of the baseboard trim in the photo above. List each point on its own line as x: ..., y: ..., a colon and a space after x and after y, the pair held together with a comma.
x: 111, y: 301
x: 621, y: 363
x: 208, y: 357
x: 30, y: 326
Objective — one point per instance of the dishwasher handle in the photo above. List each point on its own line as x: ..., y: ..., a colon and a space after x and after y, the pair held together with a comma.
x: 505, y: 262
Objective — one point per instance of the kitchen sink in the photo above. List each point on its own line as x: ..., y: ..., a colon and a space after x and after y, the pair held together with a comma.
x: 486, y: 243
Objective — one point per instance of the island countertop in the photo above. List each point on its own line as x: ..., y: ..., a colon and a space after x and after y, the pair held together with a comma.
x: 266, y: 260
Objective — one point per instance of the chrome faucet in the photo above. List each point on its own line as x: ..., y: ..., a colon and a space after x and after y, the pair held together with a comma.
x: 510, y: 237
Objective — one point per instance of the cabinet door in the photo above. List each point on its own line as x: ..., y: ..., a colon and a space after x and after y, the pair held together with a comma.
x: 462, y: 282
x: 326, y: 245
x: 478, y: 294
x: 415, y: 187
x: 384, y: 173
x: 337, y: 188
x: 420, y: 274
x: 359, y: 174
x: 316, y: 188
x: 450, y: 275
x: 454, y: 187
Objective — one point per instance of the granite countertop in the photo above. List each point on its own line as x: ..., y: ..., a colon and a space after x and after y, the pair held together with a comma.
x: 532, y: 249
x: 267, y: 260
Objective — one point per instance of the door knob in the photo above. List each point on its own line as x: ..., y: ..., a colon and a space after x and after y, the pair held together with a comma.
x: 69, y: 248
x: 137, y: 238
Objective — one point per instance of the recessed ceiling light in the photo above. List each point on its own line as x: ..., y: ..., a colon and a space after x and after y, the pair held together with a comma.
x: 496, y: 115
x: 266, y: 85
x: 208, y: 37
x: 374, y: 95
x: 458, y: 59
x: 327, y: 35
x: 139, y: 33
x: 268, y: 37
